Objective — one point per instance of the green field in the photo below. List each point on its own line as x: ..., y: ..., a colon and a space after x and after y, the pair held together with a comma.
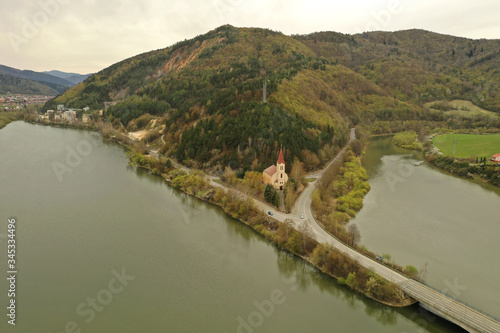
x: 461, y: 108
x: 468, y: 145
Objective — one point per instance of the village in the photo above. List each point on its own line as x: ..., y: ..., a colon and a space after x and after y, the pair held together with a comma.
x: 18, y: 101
x: 71, y: 115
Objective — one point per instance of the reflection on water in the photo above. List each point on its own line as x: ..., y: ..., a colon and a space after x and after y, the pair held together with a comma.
x: 197, y: 270
x: 426, y: 218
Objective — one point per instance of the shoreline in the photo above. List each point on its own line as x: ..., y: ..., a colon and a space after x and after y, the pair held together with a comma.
x: 265, y: 232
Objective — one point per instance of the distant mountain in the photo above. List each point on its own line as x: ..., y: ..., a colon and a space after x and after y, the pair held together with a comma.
x: 34, y: 76
x: 16, y: 85
x: 74, y: 78
x: 54, y: 84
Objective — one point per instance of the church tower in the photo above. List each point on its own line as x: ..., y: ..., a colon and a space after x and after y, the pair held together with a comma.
x: 280, y: 170
x: 275, y: 175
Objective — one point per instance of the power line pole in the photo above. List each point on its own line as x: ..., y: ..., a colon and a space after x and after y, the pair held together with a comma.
x: 264, y: 93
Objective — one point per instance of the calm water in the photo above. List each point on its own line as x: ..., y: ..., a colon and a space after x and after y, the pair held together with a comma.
x: 423, y: 217
x: 183, y: 265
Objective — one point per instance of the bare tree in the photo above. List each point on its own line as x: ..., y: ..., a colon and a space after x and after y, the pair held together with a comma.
x: 354, y: 234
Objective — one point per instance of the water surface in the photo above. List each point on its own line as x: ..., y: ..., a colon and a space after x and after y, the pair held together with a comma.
x: 427, y: 218
x: 189, y: 267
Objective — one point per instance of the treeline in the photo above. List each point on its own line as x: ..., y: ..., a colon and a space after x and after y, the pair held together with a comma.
x: 464, y: 168
x: 252, y: 134
x: 299, y: 242
x: 340, y: 196
x: 8, y: 116
x: 407, y: 140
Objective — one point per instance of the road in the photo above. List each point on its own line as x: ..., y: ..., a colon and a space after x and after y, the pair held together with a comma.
x: 446, y: 307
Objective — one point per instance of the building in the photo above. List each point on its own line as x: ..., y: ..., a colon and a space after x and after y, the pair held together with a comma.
x: 60, y: 107
x: 496, y: 158
x: 50, y: 114
x: 275, y: 175
x: 70, y: 115
x: 86, y: 118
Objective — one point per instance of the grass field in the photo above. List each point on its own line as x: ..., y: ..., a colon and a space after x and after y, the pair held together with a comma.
x: 468, y: 145
x: 462, y: 108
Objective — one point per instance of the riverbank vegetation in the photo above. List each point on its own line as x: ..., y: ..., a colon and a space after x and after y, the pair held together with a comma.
x: 339, y: 196
x: 8, y: 116
x: 483, y: 171
x: 407, y: 140
x: 466, y: 155
x: 299, y: 242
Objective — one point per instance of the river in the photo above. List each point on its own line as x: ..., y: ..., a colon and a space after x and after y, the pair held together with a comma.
x: 424, y: 217
x: 104, y: 247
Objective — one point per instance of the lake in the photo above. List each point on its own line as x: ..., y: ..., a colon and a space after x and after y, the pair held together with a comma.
x: 424, y: 217
x: 104, y: 247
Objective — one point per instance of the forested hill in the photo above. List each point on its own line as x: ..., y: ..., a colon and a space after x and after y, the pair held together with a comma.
x: 208, y: 91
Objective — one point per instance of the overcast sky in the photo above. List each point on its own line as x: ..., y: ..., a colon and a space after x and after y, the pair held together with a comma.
x: 86, y: 36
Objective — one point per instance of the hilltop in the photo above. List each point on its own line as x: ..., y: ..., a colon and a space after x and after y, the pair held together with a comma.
x: 204, y: 96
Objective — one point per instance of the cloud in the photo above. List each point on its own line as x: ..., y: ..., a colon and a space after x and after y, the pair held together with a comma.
x: 88, y: 35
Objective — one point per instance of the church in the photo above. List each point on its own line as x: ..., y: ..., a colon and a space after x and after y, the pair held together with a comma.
x: 275, y: 175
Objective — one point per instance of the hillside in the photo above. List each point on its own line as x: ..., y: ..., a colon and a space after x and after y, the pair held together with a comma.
x: 51, y: 83
x: 34, y: 76
x: 452, y: 67
x: 206, y: 93
x: 21, y: 86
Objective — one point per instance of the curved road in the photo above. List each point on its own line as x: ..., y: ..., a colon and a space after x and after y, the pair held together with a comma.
x: 454, y: 311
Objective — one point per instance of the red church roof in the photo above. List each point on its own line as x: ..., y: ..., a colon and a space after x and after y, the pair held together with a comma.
x: 281, y: 159
x: 496, y: 155
x: 271, y: 170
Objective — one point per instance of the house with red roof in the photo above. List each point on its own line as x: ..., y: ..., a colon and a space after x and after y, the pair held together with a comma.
x: 275, y: 175
x: 496, y: 158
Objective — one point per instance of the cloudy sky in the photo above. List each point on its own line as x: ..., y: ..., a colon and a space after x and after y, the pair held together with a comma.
x: 86, y: 36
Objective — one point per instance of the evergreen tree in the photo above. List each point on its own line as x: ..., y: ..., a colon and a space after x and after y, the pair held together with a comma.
x: 268, y: 192
x: 276, y: 200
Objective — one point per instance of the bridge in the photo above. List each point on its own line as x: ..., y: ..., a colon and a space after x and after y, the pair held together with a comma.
x: 447, y: 307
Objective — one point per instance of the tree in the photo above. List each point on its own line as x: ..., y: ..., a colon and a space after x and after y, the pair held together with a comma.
x: 320, y: 254
x: 386, y: 257
x: 354, y: 234
x: 306, y: 235
x: 411, y: 270
x: 284, y: 230
x: 168, y: 164
x: 269, y: 193
x: 298, y: 173
x: 290, y: 196
x: 276, y: 199
x: 357, y: 147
